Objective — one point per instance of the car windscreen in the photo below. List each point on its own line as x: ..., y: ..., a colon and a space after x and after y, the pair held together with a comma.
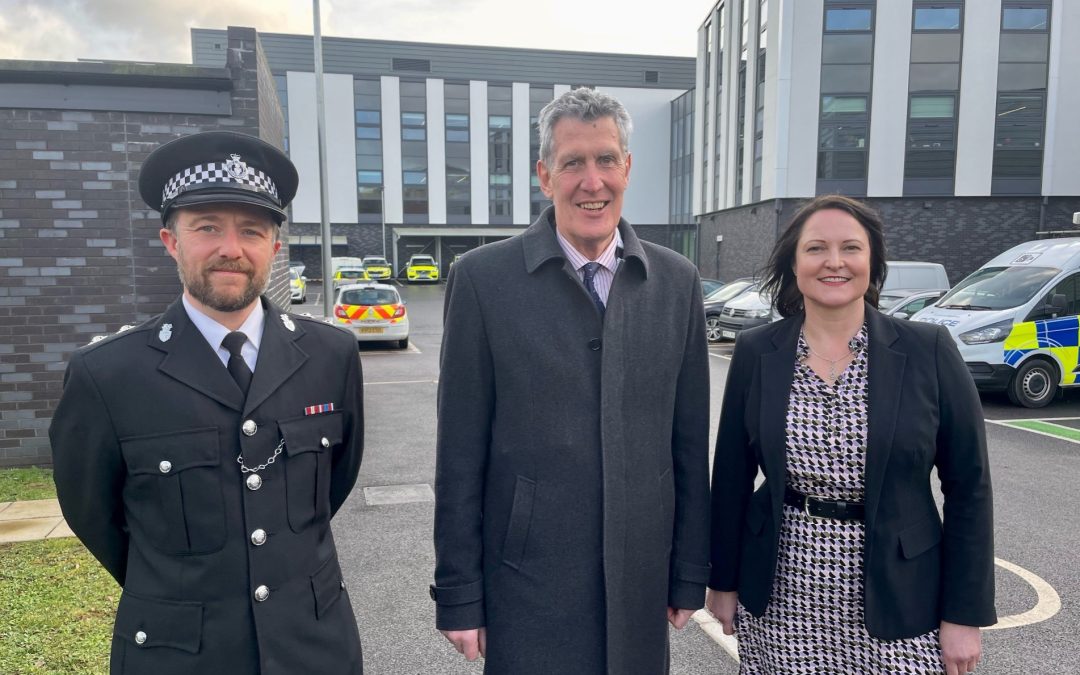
x: 729, y: 290
x: 351, y: 274
x: 369, y: 296
x: 887, y: 300
x: 422, y: 261
x: 294, y: 275
x: 993, y: 288
x: 375, y: 261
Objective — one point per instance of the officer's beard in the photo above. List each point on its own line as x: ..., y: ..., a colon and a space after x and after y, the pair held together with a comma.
x: 201, y: 287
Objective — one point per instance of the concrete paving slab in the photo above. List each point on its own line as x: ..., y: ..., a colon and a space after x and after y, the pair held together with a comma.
x: 60, y: 531
x: 26, y: 529
x: 36, y: 508
x: 398, y: 494
x: 4, y: 505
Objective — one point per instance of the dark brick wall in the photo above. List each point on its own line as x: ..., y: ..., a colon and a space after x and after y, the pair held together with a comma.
x: 749, y: 233
x: 79, y: 251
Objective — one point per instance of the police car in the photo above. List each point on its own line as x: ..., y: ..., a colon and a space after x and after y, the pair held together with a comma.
x: 372, y: 312
x: 297, y: 286
x: 421, y: 268
x: 1016, y: 322
x: 377, y: 267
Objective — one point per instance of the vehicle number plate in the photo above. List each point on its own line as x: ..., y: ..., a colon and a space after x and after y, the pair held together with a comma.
x: 371, y: 329
x: 729, y: 334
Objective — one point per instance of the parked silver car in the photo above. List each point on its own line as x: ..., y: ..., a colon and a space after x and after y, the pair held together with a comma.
x: 714, y: 304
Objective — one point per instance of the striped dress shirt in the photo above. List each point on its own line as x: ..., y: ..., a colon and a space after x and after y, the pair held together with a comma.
x: 609, y: 262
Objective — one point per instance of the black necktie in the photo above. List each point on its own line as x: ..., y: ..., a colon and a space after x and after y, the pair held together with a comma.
x: 590, y: 269
x: 238, y: 368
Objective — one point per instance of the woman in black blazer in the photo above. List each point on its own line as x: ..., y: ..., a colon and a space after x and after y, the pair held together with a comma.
x: 839, y: 561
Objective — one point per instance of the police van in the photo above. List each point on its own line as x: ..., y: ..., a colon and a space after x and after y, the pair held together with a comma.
x: 1015, y: 320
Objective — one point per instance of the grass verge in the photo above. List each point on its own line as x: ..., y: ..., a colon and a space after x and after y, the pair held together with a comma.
x: 58, y: 608
x: 26, y: 483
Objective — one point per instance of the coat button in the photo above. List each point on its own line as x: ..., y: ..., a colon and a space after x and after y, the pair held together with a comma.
x: 254, y: 481
x: 140, y: 638
x: 325, y: 442
x: 249, y: 427
x: 262, y: 593
x: 165, y: 466
x: 258, y: 537
x: 594, y: 344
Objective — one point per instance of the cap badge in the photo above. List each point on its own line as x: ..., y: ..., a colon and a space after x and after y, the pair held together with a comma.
x: 288, y: 322
x: 165, y: 334
x: 236, y: 167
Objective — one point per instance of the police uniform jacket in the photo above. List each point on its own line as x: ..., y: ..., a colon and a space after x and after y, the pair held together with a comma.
x: 572, y: 496
x: 217, y: 577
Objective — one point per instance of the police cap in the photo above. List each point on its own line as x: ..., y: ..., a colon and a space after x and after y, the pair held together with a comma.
x: 217, y: 167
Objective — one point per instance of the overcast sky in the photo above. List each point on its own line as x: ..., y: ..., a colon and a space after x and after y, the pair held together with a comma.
x: 159, y: 30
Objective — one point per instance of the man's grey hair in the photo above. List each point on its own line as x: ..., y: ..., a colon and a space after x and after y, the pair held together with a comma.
x: 585, y: 105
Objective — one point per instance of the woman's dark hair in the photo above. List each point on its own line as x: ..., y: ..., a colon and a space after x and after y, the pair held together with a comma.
x: 779, y: 273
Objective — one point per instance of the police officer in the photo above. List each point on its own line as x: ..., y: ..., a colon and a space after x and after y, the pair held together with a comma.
x: 201, y: 455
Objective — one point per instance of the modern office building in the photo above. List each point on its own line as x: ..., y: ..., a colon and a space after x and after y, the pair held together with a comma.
x: 956, y: 119
x: 431, y: 148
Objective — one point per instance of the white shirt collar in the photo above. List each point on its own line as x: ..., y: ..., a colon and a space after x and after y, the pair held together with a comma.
x: 608, y: 258
x: 214, y: 332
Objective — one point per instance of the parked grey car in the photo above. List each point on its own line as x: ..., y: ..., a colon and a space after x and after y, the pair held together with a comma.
x: 714, y: 304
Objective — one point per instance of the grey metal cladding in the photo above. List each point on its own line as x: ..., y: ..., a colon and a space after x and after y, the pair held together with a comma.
x: 124, y: 99
x: 456, y: 62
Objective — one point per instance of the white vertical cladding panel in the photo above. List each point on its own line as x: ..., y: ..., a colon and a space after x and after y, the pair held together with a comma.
x: 304, y: 146
x: 390, y: 89
x: 560, y: 89
x: 805, y: 101
x: 751, y: 102
x: 889, y: 95
x: 731, y: 104
x: 710, y: 186
x: 646, y: 200
x: 777, y: 102
x: 522, y: 171
x: 340, y: 147
x: 978, y: 98
x: 1061, y: 162
x: 478, y: 151
x: 436, y: 152
x: 699, y: 134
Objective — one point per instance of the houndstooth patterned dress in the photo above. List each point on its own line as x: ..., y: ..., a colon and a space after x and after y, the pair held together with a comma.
x: 814, y: 620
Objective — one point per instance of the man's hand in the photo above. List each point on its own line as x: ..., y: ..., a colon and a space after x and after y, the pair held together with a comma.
x: 961, y: 647
x: 679, y: 617
x: 722, y: 604
x: 472, y: 643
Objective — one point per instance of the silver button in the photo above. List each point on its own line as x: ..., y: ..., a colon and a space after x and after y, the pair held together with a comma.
x: 261, y: 593
x: 258, y: 537
x: 165, y: 466
x: 325, y: 442
x: 249, y: 427
x: 342, y: 585
x: 254, y: 481
x: 140, y: 638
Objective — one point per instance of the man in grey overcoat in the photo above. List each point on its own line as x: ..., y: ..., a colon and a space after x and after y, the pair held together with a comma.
x: 572, y: 496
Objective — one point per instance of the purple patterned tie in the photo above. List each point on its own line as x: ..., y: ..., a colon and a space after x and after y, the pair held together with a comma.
x: 590, y: 269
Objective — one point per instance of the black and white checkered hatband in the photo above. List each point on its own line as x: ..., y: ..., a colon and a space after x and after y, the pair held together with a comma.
x: 232, y: 172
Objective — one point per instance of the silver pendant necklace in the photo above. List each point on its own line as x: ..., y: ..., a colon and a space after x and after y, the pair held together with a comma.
x: 833, y: 375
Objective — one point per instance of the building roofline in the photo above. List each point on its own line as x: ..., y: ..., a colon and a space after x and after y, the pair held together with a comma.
x: 121, y: 73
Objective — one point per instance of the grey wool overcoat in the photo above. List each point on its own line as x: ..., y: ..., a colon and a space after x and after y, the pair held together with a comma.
x: 572, y: 496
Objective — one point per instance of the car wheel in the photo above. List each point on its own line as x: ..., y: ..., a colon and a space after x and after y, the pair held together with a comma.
x: 712, y: 328
x: 1034, y: 384
x: 403, y: 343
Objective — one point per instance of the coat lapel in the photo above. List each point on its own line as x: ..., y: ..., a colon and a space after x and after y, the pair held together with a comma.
x: 777, y: 372
x: 279, y: 356
x: 190, y: 359
x: 886, y: 366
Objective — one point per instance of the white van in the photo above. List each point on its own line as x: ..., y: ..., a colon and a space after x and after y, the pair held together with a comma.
x: 915, y: 276
x: 1015, y: 320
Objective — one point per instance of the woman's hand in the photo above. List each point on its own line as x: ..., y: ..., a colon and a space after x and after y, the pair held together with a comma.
x: 722, y: 604
x: 961, y: 647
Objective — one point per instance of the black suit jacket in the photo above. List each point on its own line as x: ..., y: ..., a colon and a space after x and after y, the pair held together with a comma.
x: 924, y: 412
x: 145, y: 442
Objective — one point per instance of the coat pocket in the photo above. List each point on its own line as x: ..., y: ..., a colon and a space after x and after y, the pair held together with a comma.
x: 517, y: 532
x: 309, y: 444
x: 327, y: 585
x: 921, y: 537
x: 174, y: 490
x: 156, y: 636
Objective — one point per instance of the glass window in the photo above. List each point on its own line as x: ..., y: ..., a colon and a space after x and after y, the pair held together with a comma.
x: 368, y: 132
x: 1021, y: 76
x: 841, y: 48
x: 932, y: 106
x: 1025, y: 18
x: 1024, y: 47
x: 845, y: 78
x: 937, y: 18
x: 837, y: 106
x: 414, y: 177
x: 369, y: 177
x: 498, y: 121
x: 499, y: 179
x: 413, y: 134
x: 368, y: 147
x: 934, y: 77
x: 848, y: 165
x: 368, y: 117
x: 935, y: 47
x: 457, y: 121
x: 844, y: 19
x: 842, y: 137
x: 413, y: 119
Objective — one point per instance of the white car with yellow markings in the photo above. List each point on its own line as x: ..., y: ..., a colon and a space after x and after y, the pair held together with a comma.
x: 373, y: 312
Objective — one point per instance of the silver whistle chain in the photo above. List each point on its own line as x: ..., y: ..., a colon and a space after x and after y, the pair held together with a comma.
x: 246, y: 469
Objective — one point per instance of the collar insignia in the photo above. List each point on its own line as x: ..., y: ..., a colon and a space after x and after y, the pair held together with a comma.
x: 165, y: 334
x: 288, y: 322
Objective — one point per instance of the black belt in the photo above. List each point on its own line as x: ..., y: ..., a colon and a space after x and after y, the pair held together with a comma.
x: 824, y: 508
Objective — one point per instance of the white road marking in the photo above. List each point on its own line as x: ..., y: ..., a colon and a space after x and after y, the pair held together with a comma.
x: 1048, y: 604
x: 1005, y: 423
x: 720, y: 356
x: 1035, y: 419
x: 411, y: 349
x: 714, y: 630
x: 368, y: 384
